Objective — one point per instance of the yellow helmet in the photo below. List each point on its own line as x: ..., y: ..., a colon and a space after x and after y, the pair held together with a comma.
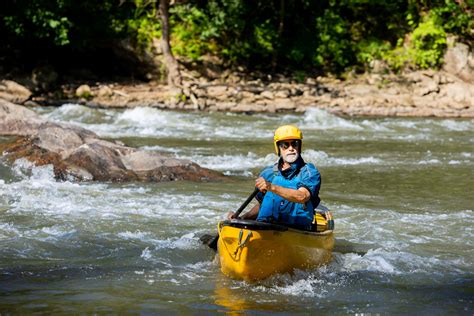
x: 286, y: 132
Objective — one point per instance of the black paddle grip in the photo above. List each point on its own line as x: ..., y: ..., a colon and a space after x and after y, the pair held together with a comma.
x: 247, y: 201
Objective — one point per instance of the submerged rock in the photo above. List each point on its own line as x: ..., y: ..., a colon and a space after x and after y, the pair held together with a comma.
x: 79, y: 154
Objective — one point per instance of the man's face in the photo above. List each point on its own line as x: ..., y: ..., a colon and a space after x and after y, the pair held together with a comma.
x: 289, y: 149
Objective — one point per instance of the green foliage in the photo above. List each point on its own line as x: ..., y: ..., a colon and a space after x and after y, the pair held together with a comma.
x: 42, y: 17
x: 397, y: 58
x: 143, y: 25
x: 243, y: 31
x: 193, y: 32
x: 265, y: 36
x: 428, y: 42
x: 368, y: 50
x: 334, y: 48
x: 300, y: 76
x: 305, y: 35
x: 455, y: 17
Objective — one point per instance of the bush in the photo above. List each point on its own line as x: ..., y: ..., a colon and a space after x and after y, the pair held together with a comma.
x: 334, y: 49
x: 428, y: 42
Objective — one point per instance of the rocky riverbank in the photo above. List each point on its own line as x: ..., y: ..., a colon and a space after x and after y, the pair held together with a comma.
x: 448, y: 92
x: 423, y: 94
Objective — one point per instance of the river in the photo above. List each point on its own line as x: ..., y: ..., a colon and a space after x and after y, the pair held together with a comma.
x: 400, y: 188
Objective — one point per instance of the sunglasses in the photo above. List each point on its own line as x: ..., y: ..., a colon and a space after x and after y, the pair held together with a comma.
x: 294, y: 143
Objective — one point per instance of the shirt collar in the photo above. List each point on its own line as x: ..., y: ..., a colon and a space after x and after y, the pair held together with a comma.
x: 294, y: 167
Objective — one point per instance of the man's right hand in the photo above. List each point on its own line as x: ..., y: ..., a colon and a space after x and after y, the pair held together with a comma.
x: 230, y: 215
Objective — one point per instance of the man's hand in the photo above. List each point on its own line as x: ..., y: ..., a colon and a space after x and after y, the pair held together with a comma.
x: 230, y: 215
x: 263, y: 185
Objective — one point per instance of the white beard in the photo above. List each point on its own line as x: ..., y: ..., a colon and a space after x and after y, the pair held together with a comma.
x: 290, y: 157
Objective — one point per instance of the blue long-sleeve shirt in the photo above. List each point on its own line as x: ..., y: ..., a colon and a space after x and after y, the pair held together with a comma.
x: 274, y: 208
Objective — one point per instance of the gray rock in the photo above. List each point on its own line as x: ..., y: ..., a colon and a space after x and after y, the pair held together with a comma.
x: 459, y: 61
x: 84, y: 91
x: 79, y: 154
x: 58, y: 139
x: 248, y: 108
x: 225, y: 106
x: 282, y: 105
x: 360, y: 89
x: 217, y: 90
x: 18, y: 120
x: 459, y: 92
x: 426, y: 87
x: 378, y: 67
x: 285, y: 93
x: 104, y: 92
x: 267, y: 94
x: 14, y: 92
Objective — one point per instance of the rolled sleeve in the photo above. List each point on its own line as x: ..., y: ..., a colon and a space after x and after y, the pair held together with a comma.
x: 310, y: 178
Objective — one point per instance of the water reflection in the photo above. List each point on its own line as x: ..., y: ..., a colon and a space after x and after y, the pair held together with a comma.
x: 237, y: 298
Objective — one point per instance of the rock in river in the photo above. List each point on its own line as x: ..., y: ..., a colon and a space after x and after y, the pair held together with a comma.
x: 79, y: 154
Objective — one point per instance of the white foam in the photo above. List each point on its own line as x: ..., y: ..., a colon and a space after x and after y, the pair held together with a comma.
x: 187, y: 241
x: 302, y: 288
x: 134, y: 235
x: 374, y: 125
x: 146, y: 116
x: 456, y: 125
x: 146, y: 254
x: 321, y: 158
x: 243, y: 164
x: 57, y: 231
x: 69, y: 111
x: 429, y: 162
x: 8, y: 230
x: 233, y: 162
x: 318, y: 119
x: 22, y: 167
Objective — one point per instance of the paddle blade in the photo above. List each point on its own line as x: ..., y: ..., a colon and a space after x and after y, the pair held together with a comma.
x: 210, y: 240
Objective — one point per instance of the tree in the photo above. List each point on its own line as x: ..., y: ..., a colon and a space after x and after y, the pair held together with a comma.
x: 172, y: 67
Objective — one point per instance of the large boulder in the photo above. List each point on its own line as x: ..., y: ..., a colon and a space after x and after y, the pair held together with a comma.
x: 79, y: 154
x: 459, y: 61
x: 18, y: 120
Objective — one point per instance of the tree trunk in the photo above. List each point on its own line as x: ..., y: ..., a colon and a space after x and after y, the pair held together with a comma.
x: 281, y: 26
x: 172, y: 68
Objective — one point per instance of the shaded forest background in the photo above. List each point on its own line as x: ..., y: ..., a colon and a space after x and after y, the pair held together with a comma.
x: 105, y: 38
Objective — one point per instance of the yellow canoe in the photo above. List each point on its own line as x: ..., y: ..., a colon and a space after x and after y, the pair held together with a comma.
x: 250, y: 250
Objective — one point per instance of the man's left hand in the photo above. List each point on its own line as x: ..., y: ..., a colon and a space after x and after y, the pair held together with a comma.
x: 263, y: 185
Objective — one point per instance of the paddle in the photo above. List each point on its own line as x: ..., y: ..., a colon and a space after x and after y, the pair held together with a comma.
x: 211, y: 241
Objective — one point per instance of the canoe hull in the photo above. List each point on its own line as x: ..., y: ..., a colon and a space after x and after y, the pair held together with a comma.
x: 253, y: 251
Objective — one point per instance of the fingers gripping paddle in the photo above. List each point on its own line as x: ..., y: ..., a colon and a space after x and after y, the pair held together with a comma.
x: 211, y: 241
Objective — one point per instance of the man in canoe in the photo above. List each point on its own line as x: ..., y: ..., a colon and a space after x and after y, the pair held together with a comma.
x: 289, y: 190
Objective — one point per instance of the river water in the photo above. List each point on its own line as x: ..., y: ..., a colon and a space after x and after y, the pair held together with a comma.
x: 400, y: 189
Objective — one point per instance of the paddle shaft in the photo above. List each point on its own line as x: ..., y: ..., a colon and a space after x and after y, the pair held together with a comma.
x: 247, y: 201
x: 211, y: 241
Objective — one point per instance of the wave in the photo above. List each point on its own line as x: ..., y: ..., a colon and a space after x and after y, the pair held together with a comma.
x: 321, y: 158
x: 244, y: 164
x: 153, y: 122
x: 231, y: 163
x: 322, y: 120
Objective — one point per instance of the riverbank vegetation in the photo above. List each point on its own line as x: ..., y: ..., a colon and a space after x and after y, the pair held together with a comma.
x: 272, y: 36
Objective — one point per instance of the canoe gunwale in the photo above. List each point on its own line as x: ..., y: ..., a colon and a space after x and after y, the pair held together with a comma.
x: 256, y: 225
